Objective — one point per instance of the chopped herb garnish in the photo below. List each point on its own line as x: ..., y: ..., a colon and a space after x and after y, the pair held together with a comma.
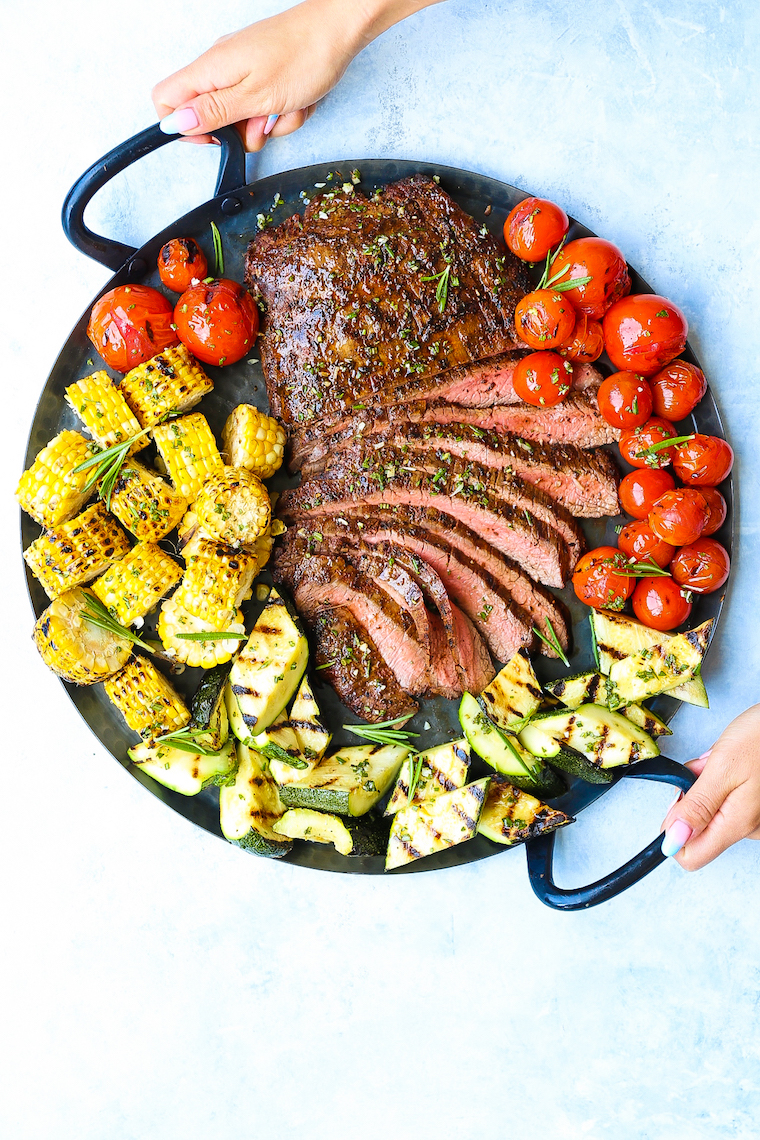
x: 552, y: 641
x: 107, y: 464
x: 218, y: 251
x: 212, y: 636
x: 383, y: 732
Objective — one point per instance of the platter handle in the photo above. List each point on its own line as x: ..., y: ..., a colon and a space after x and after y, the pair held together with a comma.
x: 540, y: 851
x: 112, y: 253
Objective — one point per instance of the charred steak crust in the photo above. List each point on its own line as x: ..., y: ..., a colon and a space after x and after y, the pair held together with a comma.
x: 347, y: 310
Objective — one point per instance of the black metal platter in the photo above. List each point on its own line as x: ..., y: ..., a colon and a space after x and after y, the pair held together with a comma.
x: 238, y: 214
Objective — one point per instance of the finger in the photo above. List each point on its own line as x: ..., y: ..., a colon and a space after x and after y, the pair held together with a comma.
x: 205, y: 140
x: 690, y: 816
x: 293, y: 121
x: 252, y: 130
x: 697, y: 767
x: 733, y: 821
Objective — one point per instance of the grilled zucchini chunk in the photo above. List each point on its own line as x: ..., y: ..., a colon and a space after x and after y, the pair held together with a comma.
x: 658, y: 668
x: 233, y: 507
x: 185, y: 772
x: 435, y: 824
x: 312, y: 736
x: 254, y: 441
x: 317, y: 826
x: 77, y: 551
x: 251, y: 805
x: 646, y: 719
x: 104, y: 412
x: 267, y: 671
x: 144, y: 503
x: 73, y: 647
x: 52, y: 491
x: 511, y: 816
x: 513, y: 694
x: 238, y: 727
x: 440, y: 769
x: 208, y: 711
x: 133, y: 586
x: 350, y: 782
x: 616, y: 636
x: 280, y: 746
x: 579, y: 689
x: 505, y: 752
x: 605, y: 738
x: 148, y: 702
x: 171, y: 382
x: 188, y: 449
x: 174, y: 621
x: 216, y: 581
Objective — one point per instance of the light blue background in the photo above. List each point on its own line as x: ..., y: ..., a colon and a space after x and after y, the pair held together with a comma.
x: 159, y: 984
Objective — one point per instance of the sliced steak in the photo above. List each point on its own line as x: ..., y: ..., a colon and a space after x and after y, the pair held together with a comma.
x: 349, y: 659
x: 479, y: 670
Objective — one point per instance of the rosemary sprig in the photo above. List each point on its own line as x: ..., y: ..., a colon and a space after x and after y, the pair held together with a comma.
x: 553, y: 642
x: 674, y: 441
x: 442, y: 288
x: 326, y: 665
x: 218, y: 250
x: 414, y: 777
x: 548, y: 282
x: 97, y: 614
x: 107, y: 464
x: 223, y: 636
x: 648, y: 569
x: 187, y: 740
x: 383, y: 732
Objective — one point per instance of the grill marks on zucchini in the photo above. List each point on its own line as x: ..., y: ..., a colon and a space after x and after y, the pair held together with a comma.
x: 249, y: 807
x: 441, y: 769
x: 511, y: 816
x: 435, y: 824
x: 513, y: 694
x: 605, y: 738
x: 268, y: 669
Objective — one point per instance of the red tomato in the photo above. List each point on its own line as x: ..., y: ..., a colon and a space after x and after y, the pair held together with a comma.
x: 601, y: 261
x: 218, y: 322
x: 679, y: 517
x: 542, y: 379
x: 644, y: 332
x: 544, y: 319
x: 701, y: 567
x: 716, y: 505
x: 639, y: 542
x: 586, y: 344
x: 636, y: 444
x: 677, y: 390
x: 640, y: 490
x: 597, y: 579
x: 660, y: 604
x: 181, y: 264
x: 625, y: 400
x: 533, y: 227
x: 704, y: 460
x: 130, y: 324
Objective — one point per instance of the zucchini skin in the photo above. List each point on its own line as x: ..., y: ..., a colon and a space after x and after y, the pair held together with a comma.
x: 510, y: 816
x: 497, y: 750
x: 207, y: 710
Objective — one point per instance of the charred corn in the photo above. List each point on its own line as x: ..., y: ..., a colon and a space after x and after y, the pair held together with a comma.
x: 51, y: 491
x: 174, y: 619
x: 216, y: 581
x: 233, y: 507
x: 134, y: 586
x: 168, y: 384
x: 188, y: 449
x: 148, y: 702
x: 76, y: 551
x: 253, y: 440
x: 104, y: 411
x: 73, y: 647
x: 145, y: 503
x: 191, y: 533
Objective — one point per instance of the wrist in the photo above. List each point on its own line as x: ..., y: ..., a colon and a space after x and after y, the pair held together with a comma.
x: 370, y: 18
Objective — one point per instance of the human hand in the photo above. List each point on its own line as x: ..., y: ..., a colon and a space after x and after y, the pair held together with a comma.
x: 279, y: 66
x: 723, y: 806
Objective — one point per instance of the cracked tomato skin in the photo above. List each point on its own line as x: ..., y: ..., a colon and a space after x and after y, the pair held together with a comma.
x: 644, y: 332
x: 717, y: 507
x: 660, y: 604
x: 680, y: 516
x: 702, y: 567
x: 704, y: 460
x: 544, y: 319
x: 677, y: 390
x: 596, y: 581
x: 130, y: 324
x: 640, y: 543
x: 181, y: 264
x: 587, y: 342
x: 601, y: 261
x: 218, y: 321
x: 533, y: 227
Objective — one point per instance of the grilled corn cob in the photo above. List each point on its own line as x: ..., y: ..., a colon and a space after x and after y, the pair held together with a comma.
x: 216, y: 581
x: 73, y: 647
x: 148, y: 702
x: 76, y: 551
x: 233, y: 507
x: 174, y: 619
x: 191, y: 533
x: 104, y: 411
x: 169, y: 383
x: 134, y: 586
x: 188, y: 448
x: 254, y: 441
x: 51, y: 491
x: 145, y: 503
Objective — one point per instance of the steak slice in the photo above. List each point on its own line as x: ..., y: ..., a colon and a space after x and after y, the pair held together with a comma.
x: 349, y: 311
x: 479, y: 670
x: 349, y: 659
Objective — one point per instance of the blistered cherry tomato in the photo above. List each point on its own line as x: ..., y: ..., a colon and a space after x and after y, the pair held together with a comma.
x: 677, y: 390
x: 639, y: 542
x: 533, y: 227
x: 586, y: 344
x: 597, y: 579
x: 181, y: 264
x: 637, y: 443
x: 644, y: 332
x: 639, y: 490
x: 542, y: 379
x: 704, y: 460
x: 660, y: 604
x: 130, y: 324
x: 625, y: 400
x: 601, y: 261
x: 679, y: 517
x: 717, y: 507
x: 544, y: 319
x: 218, y: 322
x: 702, y: 567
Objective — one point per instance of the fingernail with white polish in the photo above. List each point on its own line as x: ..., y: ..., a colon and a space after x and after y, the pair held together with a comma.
x: 705, y: 755
x: 271, y: 120
x: 678, y: 796
x: 183, y: 120
x: 676, y: 836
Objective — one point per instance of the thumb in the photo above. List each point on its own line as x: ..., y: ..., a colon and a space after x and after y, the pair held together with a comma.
x: 691, y: 814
